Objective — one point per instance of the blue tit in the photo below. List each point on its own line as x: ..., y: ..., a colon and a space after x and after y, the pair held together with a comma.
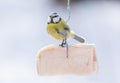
x: 60, y: 30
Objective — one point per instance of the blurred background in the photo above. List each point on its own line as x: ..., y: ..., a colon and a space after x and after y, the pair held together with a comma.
x: 23, y: 33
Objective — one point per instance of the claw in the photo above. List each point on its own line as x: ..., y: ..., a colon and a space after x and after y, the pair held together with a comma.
x: 63, y: 44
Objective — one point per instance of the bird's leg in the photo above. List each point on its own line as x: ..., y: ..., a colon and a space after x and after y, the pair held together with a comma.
x: 63, y: 43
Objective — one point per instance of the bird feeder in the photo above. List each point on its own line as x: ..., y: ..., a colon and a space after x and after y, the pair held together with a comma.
x: 52, y: 60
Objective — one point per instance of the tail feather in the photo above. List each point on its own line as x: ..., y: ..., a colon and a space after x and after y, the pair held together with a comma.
x: 78, y: 38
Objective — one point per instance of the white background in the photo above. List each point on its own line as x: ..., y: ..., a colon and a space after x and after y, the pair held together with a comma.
x: 23, y: 33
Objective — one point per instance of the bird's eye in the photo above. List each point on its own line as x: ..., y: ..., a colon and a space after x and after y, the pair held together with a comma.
x: 49, y: 20
x: 56, y: 19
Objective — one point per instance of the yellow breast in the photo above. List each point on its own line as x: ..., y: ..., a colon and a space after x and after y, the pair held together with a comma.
x: 51, y: 28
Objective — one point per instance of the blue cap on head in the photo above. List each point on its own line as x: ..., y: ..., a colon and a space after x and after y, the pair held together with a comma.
x: 54, y: 14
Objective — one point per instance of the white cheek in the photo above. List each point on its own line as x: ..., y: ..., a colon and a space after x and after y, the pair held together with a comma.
x: 48, y: 19
x: 55, y: 20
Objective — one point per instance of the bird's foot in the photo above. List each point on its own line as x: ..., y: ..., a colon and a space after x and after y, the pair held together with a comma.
x: 63, y: 45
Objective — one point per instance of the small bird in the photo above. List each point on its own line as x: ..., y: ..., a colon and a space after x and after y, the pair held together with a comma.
x: 60, y: 30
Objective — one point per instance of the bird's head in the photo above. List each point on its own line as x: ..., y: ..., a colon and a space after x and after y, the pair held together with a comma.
x: 54, y: 18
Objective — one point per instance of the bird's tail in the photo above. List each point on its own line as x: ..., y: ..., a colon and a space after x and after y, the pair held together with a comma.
x: 79, y: 38
x: 76, y: 37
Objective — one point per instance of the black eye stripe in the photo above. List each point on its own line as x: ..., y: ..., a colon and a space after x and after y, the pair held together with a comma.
x: 54, y: 16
